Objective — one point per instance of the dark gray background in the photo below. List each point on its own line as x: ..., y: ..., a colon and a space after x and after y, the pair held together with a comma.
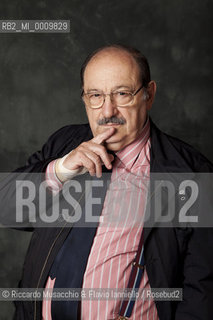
x: 39, y: 80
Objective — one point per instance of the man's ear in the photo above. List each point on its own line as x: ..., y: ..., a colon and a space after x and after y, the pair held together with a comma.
x: 151, y: 90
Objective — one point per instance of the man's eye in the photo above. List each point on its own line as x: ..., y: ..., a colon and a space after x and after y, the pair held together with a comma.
x: 122, y: 93
x: 95, y: 95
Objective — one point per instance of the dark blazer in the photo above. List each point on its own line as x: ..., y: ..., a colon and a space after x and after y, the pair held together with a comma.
x: 174, y: 257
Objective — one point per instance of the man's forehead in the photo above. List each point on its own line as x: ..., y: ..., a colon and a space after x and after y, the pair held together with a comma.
x: 112, y: 55
x: 112, y: 64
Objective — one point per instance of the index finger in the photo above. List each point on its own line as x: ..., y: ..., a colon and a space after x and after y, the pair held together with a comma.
x: 100, y: 138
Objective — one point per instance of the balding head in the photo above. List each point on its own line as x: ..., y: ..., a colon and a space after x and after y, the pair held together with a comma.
x: 136, y: 56
x: 111, y: 68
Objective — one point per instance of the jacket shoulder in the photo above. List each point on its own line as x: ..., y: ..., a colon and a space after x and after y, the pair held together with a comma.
x: 176, y: 153
x: 70, y: 133
x: 191, y: 155
x: 61, y: 142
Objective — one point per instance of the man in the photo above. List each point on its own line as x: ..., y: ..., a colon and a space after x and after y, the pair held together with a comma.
x: 118, y: 92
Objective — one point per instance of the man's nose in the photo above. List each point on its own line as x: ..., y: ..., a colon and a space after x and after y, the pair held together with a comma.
x: 109, y: 108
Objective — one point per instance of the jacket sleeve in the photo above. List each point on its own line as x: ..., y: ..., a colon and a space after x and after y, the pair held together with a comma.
x: 197, y: 300
x: 197, y: 303
x: 26, y: 181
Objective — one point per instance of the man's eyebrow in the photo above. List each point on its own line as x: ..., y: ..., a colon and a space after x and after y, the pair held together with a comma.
x: 97, y: 90
x: 122, y: 86
x: 113, y: 89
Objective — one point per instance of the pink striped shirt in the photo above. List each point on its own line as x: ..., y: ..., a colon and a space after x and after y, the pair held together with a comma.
x: 118, y: 234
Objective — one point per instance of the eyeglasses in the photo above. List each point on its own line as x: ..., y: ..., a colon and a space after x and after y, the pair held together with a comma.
x: 121, y: 98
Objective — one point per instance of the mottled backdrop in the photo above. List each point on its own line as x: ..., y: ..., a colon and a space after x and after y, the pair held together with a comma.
x: 39, y: 80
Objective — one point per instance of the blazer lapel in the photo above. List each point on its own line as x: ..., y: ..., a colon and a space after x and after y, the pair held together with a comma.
x: 164, y: 158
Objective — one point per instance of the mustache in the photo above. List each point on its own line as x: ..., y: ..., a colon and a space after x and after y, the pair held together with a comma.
x: 111, y: 120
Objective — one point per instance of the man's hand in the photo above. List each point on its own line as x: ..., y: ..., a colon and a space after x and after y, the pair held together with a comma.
x: 90, y: 155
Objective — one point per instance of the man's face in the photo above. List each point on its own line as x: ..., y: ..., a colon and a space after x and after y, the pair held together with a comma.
x: 115, y: 70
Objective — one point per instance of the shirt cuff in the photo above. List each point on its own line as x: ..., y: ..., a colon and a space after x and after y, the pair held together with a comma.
x: 54, y: 184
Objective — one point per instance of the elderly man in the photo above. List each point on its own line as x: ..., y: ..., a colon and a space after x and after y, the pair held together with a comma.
x: 120, y: 139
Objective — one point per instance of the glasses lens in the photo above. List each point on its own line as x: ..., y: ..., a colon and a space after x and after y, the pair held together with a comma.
x: 122, y: 98
x: 95, y: 99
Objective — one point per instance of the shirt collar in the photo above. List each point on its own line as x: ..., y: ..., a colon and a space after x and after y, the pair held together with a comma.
x: 128, y: 155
